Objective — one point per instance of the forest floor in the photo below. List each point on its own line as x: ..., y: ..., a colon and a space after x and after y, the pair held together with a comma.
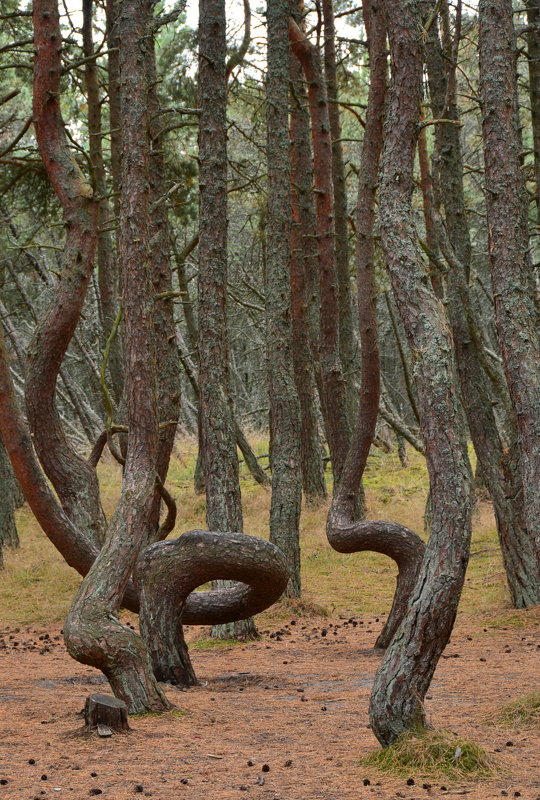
x: 281, y: 718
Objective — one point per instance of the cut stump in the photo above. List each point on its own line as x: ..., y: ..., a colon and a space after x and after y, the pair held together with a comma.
x: 105, y: 712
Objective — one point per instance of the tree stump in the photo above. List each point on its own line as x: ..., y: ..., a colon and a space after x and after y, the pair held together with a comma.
x: 106, y: 713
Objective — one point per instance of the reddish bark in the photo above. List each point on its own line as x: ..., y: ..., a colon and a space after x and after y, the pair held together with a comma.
x: 346, y: 536
x: 348, y: 346
x: 302, y: 250
x: 73, y: 479
x: 332, y: 384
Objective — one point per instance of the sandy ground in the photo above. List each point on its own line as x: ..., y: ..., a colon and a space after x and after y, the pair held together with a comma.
x: 284, y: 718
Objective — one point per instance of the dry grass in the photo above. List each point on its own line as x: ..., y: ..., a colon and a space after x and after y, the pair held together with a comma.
x: 432, y: 754
x: 524, y: 712
x: 37, y: 586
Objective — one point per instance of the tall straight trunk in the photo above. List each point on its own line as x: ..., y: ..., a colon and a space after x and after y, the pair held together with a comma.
x: 499, y: 465
x: 533, y: 61
x: 409, y: 663
x: 284, y: 403
x: 106, y: 260
x: 303, y: 257
x: 348, y: 347
x: 113, y: 88
x: 93, y: 632
x: 331, y: 380
x: 516, y: 310
x: 222, y: 484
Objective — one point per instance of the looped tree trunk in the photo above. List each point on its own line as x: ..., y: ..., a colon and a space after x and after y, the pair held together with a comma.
x: 168, y: 572
x: 404, y: 546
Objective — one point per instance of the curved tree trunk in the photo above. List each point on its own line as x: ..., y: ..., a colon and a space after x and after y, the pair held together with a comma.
x: 194, y: 559
x: 346, y: 536
x: 93, y: 633
x: 284, y: 405
x: 516, y: 309
x: 73, y: 479
x: 409, y: 663
x: 166, y: 347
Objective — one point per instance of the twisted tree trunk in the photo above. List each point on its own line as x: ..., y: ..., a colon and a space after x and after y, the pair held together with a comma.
x: 344, y: 534
x: 93, y: 633
x: 408, y: 665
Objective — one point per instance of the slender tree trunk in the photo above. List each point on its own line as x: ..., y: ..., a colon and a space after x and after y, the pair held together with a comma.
x: 516, y: 312
x: 284, y: 404
x: 533, y: 61
x: 223, y: 501
x: 302, y: 257
x: 93, y: 633
x: 409, y: 663
x: 348, y: 346
x: 332, y: 383
x: 106, y: 260
x: 500, y: 467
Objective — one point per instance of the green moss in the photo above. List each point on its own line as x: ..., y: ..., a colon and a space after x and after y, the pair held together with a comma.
x: 432, y: 754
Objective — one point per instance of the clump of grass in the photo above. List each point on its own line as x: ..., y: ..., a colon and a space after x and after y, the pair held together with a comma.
x: 432, y: 754
x: 299, y: 607
x: 215, y: 644
x: 521, y: 713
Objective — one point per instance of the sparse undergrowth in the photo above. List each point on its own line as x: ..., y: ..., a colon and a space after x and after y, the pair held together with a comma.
x: 37, y: 586
x: 524, y: 712
x: 432, y: 754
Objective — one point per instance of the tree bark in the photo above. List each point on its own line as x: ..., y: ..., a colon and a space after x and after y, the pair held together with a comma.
x: 106, y: 261
x: 166, y: 347
x: 223, y: 501
x: 93, y: 633
x: 407, y: 668
x: 533, y: 62
x: 516, y: 309
x: 303, y: 255
x: 346, y: 536
x: 348, y: 345
x: 183, y: 564
x: 73, y: 479
x: 284, y: 404
x: 332, y: 383
x: 499, y: 465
